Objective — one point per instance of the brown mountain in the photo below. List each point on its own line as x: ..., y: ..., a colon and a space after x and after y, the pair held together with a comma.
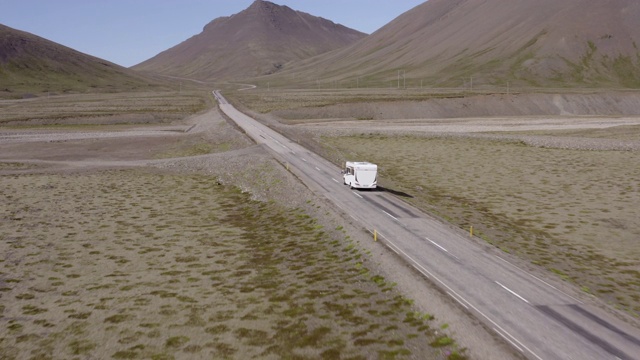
x: 259, y: 40
x: 564, y: 43
x: 31, y: 64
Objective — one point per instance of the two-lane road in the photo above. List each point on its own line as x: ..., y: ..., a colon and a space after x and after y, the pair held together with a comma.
x: 533, y: 316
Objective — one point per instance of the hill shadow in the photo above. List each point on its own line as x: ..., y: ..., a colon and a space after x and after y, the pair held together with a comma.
x: 394, y: 192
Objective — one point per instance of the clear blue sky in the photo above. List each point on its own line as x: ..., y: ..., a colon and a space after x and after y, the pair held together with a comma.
x: 128, y: 32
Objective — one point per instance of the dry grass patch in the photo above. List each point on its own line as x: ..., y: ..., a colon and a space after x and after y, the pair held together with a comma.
x: 629, y: 132
x: 265, y: 101
x: 138, y: 107
x: 136, y: 264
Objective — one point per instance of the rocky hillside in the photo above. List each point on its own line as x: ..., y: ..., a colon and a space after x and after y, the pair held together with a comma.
x: 547, y: 43
x: 32, y: 65
x: 259, y: 40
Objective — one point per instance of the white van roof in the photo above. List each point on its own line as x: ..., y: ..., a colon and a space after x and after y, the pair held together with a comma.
x: 356, y: 163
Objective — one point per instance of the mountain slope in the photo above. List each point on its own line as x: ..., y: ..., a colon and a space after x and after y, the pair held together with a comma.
x: 259, y: 40
x: 535, y: 43
x: 31, y: 64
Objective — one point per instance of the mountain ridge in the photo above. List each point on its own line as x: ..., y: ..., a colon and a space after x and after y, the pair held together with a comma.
x: 544, y: 43
x: 32, y: 64
x: 259, y: 40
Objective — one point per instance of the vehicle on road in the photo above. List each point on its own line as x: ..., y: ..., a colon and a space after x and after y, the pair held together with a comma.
x: 360, y: 175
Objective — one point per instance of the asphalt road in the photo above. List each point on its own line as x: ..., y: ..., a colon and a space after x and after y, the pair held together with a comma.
x: 536, y: 318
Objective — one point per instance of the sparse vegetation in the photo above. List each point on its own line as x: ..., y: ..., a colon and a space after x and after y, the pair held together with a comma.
x: 554, y: 207
x: 263, y: 101
x: 270, y: 279
x: 86, y: 110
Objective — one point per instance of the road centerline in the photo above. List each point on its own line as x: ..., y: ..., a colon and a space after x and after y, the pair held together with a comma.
x: 513, y: 293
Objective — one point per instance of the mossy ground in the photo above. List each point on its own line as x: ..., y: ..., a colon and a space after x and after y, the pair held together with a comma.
x: 138, y: 264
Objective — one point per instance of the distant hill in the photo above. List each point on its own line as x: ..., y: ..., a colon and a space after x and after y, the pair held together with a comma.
x: 30, y: 64
x: 259, y: 40
x: 547, y: 43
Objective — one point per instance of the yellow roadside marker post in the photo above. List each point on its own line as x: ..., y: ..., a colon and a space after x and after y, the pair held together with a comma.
x: 471, y: 231
x: 375, y: 235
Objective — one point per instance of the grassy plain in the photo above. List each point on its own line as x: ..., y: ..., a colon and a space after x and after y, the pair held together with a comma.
x: 171, y: 264
x: 280, y: 99
x: 103, y: 109
x: 138, y: 264
x: 572, y: 212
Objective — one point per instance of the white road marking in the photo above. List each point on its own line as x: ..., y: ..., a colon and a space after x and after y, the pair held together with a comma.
x: 456, y: 299
x: 279, y: 143
x: 317, y: 168
x: 358, y: 195
x: 540, y: 280
x: 428, y: 274
x: 438, y: 245
x: 443, y: 249
x: 335, y: 180
x: 383, y: 237
x: 303, y: 159
x: 513, y: 293
x: 509, y: 340
x: 391, y: 216
x: 415, y: 267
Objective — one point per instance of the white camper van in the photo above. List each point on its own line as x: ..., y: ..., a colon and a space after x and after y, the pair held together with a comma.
x: 360, y: 175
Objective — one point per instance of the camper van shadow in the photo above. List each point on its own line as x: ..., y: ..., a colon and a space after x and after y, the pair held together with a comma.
x: 394, y: 192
